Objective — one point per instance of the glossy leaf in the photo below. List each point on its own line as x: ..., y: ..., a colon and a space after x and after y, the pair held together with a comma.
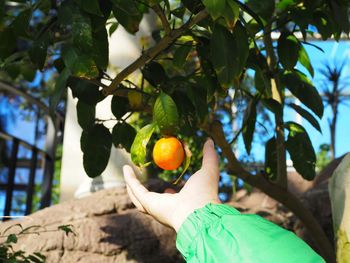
x: 85, y: 114
x: 262, y: 8
x: 215, y: 7
x: 242, y: 47
x: 38, y: 51
x: 123, y: 134
x: 61, y: 83
x: 305, y: 60
x: 288, y: 50
x: 119, y: 106
x: 81, y: 31
x: 181, y: 54
x: 306, y: 115
x: 138, y: 147
x: 165, y: 114
x: 271, y: 158
x: 301, y: 151
x: 223, y: 54
x: 6, y: 44
x: 91, y: 6
x: 249, y: 121
x: 127, y: 14
x: 96, y: 144
x: 154, y: 73
x: 85, y: 91
x: 80, y: 65
x: 302, y: 88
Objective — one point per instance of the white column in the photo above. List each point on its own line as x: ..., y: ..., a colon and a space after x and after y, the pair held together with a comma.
x: 124, y: 48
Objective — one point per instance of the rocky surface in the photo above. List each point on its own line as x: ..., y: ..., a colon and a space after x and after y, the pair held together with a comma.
x: 107, y: 227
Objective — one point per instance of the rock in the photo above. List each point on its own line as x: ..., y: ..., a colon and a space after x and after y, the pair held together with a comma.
x: 108, y: 229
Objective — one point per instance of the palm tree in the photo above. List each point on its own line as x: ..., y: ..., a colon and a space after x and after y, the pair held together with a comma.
x: 333, y: 85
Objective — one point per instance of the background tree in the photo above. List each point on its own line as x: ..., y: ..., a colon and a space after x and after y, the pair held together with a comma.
x: 333, y: 87
x: 203, y: 51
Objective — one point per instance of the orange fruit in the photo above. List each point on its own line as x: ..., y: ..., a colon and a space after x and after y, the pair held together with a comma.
x: 168, y: 153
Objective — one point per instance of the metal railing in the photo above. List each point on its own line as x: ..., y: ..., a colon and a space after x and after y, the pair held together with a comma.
x: 43, y: 159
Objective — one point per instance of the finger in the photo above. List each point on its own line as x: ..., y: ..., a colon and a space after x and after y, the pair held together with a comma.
x: 210, y: 161
x: 137, y: 190
x: 134, y: 200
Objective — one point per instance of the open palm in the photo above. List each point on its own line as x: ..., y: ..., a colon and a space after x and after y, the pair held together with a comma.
x: 173, y: 209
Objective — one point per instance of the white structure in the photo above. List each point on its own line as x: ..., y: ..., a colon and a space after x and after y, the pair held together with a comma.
x: 124, y: 48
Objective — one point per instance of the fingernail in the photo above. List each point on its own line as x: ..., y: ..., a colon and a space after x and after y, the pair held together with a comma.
x: 210, y: 141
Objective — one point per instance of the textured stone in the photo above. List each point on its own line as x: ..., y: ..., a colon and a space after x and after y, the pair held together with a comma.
x: 108, y: 229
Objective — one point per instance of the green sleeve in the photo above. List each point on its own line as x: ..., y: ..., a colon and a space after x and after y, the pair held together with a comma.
x: 220, y: 233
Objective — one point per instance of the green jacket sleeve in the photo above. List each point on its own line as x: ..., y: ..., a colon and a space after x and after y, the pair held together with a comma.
x: 220, y: 233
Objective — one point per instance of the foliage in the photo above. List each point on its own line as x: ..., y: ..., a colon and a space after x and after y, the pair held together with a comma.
x: 9, y: 254
x: 323, y: 157
x: 72, y: 36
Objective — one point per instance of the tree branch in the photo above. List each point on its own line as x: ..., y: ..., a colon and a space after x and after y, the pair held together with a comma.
x: 158, y: 10
x: 152, y: 52
x: 277, y: 95
x: 280, y: 194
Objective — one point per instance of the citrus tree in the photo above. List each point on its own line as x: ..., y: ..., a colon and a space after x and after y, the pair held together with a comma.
x: 202, y: 51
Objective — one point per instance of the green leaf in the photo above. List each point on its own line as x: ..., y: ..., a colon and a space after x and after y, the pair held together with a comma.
x: 38, y: 51
x: 128, y: 14
x: 181, y: 54
x: 301, y: 151
x: 66, y: 229
x: 80, y: 65
x: 91, y: 6
x: 301, y: 88
x: 100, y: 52
x: 138, y: 148
x: 61, y: 84
x: 242, y: 46
x: 21, y: 23
x: 119, y: 106
x: 85, y: 91
x: 272, y: 105
x: 305, y: 60
x: 96, y: 145
x: 193, y: 5
x: 306, y: 115
x: 165, y: 114
x: 264, y: 8
x: 249, y: 121
x: 288, y: 50
x: 86, y: 114
x: 8, y: 39
x: 123, y: 134
x: 12, y: 238
x: 271, y: 158
x: 215, y: 7
x: 262, y: 82
x: 154, y: 73
x: 113, y: 28
x: 28, y: 71
x: 34, y: 259
x: 223, y: 54
x: 231, y: 13
x: 81, y: 31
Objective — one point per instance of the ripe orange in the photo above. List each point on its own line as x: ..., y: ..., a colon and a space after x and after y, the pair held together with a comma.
x: 168, y: 153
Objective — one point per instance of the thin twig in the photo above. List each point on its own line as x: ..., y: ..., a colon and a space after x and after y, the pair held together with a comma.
x: 158, y: 10
x: 152, y: 52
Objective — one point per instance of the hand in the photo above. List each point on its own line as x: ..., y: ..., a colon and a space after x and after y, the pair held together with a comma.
x: 173, y: 209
